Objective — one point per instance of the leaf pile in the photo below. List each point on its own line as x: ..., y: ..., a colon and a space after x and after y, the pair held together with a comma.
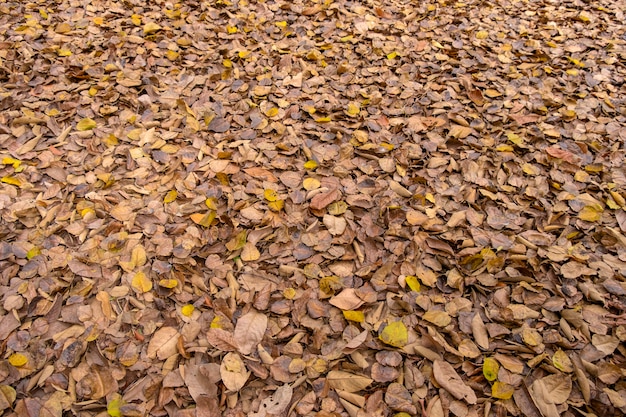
x: 317, y: 208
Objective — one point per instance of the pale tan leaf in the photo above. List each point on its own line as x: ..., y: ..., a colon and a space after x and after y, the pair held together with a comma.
x: 163, y: 343
x: 249, y: 331
x: 346, y: 381
x: 233, y: 372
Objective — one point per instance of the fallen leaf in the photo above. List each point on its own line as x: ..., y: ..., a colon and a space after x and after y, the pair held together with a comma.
x: 163, y: 343
x: 447, y: 377
x: 249, y: 331
x: 346, y: 381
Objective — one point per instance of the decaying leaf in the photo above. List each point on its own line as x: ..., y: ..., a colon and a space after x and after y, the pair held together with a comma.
x: 233, y: 372
x: 346, y: 381
x: 249, y: 331
x: 163, y: 343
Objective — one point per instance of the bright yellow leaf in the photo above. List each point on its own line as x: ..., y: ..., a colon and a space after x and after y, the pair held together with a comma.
x: 276, y: 205
x: 227, y: 63
x: 18, y: 360
x: 211, y: 203
x: 141, y: 283
x: 395, y: 334
x: 231, y: 29
x: 413, y: 283
x: 325, y: 119
x: 170, y: 196
x: 281, y: 24
x: 392, y: 55
x: 113, y: 407
x: 11, y: 161
x: 98, y: 20
x: 270, y: 195
x: 86, y: 124
x: 136, y: 19
x: 172, y: 55
x: 490, y: 369
x: 310, y: 165
x: 34, y: 251
x: 64, y: 52
x: 502, y: 390
x: 204, y: 220
x: 168, y: 283
x: 187, y: 310
x: 11, y: 180
x: 353, y: 315
x: 243, y: 54
x: 216, y: 323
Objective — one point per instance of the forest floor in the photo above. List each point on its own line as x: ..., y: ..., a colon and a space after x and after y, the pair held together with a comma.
x: 301, y: 208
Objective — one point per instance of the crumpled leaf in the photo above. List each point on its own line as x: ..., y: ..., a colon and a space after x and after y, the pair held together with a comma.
x: 275, y: 403
x: 233, y: 372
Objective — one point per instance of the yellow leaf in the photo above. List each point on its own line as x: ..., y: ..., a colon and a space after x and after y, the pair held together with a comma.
x: 168, y: 283
x: 150, y: 28
x: 584, y: 17
x: 276, y: 205
x: 141, y: 283
x: 562, y: 362
x: 136, y: 19
x: 170, y: 196
x: 311, y: 184
x: 590, y: 214
x: 395, y: 334
x: 354, y: 315
x: 238, y: 241
x: 354, y: 109
x: 187, y: 310
x: 110, y: 140
x: 572, y: 71
x: 11, y: 180
x: 271, y: 112
x: 113, y: 407
x: 490, y: 369
x: 576, y: 62
x: 502, y: 390
x: 310, y: 165
x: 392, y: 55
x: 204, y: 220
x: 413, y: 283
x: 18, y: 360
x: 337, y: 208
x: 227, y: 63
x: 11, y: 161
x: 504, y: 148
x: 231, y: 29
x: 482, y: 34
x: 98, y: 20
x: 64, y: 52
x: 323, y: 119
x: 34, y: 251
x: 289, y: 293
x: 211, y: 203
x: 138, y: 256
x: 270, y: 195
x: 86, y: 124
x: 281, y: 24
x: 243, y: 54
x: 216, y: 323
x: 172, y: 55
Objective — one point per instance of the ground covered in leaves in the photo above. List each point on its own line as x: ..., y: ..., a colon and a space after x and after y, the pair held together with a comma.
x: 300, y: 208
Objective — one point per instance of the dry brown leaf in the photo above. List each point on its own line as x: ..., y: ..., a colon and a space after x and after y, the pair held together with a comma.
x: 163, y: 343
x: 346, y: 381
x: 249, y: 331
x: 449, y: 379
x: 233, y: 372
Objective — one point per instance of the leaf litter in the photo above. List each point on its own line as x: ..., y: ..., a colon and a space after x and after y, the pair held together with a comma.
x: 319, y: 208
